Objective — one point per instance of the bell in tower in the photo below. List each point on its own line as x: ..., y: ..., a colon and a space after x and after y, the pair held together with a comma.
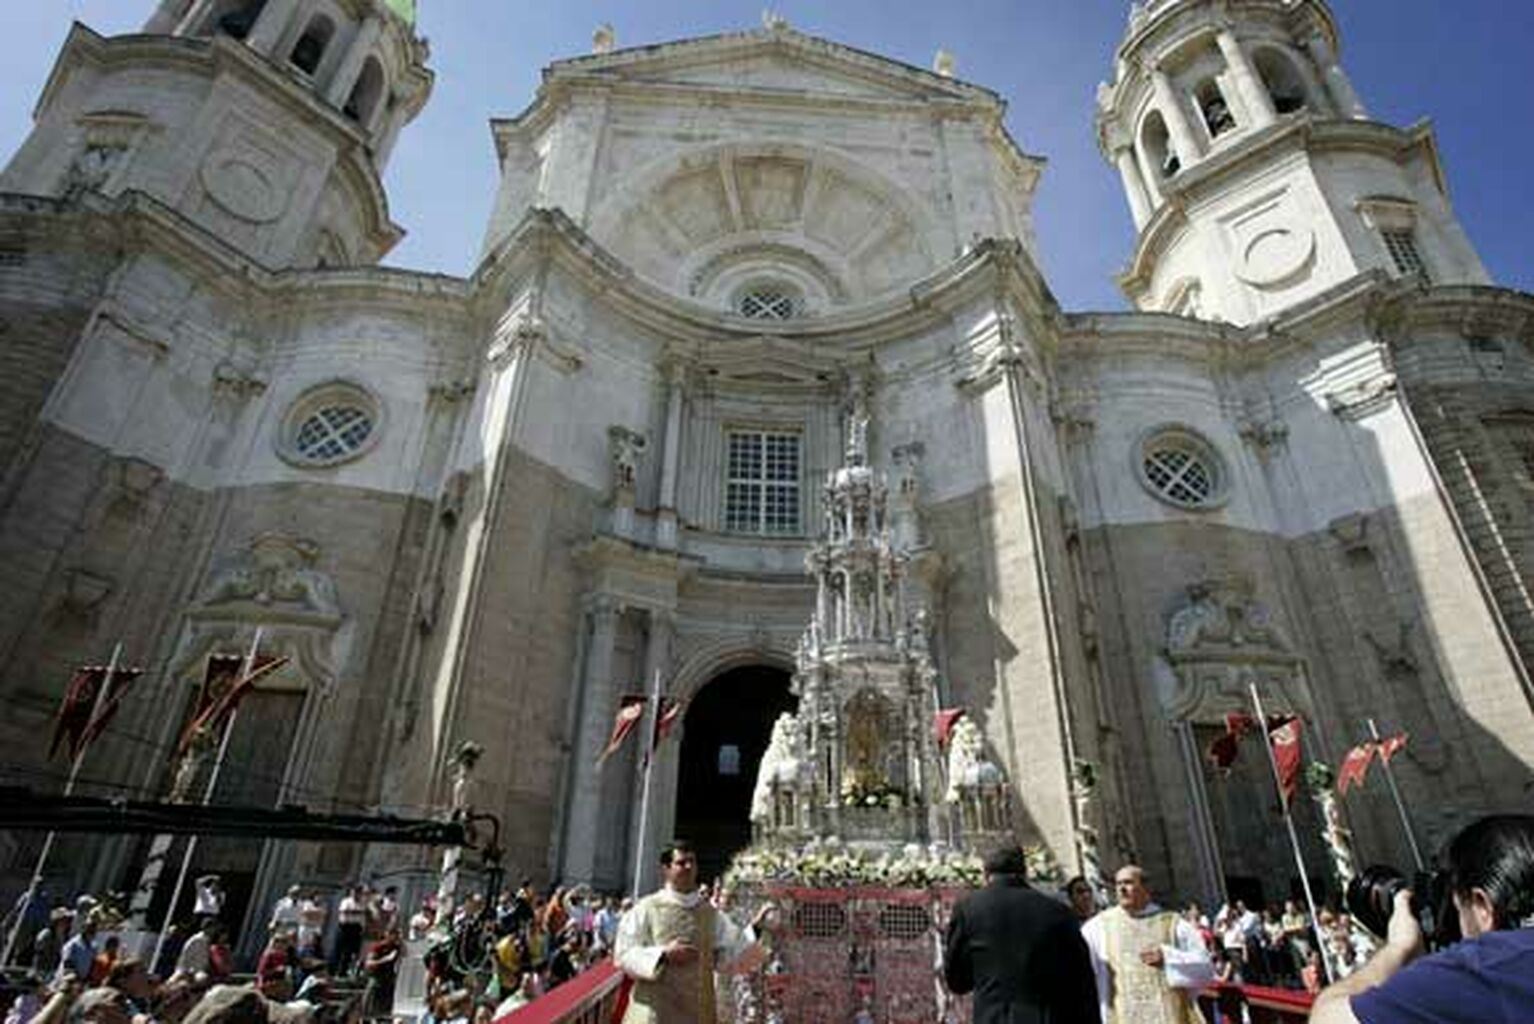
x: 1254, y: 176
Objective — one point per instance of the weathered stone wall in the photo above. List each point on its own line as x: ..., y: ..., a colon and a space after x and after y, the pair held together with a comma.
x: 50, y: 278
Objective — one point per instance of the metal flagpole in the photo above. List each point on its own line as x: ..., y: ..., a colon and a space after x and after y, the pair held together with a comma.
x: 207, y: 798
x: 1395, y: 794
x: 69, y: 788
x: 652, y: 718
x: 1294, y: 838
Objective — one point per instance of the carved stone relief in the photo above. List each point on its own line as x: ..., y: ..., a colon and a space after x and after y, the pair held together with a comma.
x: 272, y: 581
x: 1218, y: 642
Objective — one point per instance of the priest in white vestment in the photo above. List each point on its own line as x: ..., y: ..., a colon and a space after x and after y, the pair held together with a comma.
x: 671, y: 943
x: 1150, y: 963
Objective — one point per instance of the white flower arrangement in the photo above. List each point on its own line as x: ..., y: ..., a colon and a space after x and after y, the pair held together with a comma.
x: 830, y: 865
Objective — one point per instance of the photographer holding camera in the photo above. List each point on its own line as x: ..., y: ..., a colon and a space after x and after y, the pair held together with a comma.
x: 1486, y: 978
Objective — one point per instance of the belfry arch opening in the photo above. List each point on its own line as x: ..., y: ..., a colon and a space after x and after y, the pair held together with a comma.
x: 725, y: 733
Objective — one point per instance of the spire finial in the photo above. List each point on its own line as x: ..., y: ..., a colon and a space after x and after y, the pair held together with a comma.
x: 604, y: 39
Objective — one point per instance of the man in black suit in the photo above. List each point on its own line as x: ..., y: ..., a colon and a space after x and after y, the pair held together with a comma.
x: 1019, y: 951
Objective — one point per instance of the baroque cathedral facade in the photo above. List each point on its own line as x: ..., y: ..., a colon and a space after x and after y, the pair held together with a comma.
x: 486, y: 508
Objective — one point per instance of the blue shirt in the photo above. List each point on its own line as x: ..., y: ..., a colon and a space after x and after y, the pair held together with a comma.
x: 78, y: 955
x: 1485, y: 980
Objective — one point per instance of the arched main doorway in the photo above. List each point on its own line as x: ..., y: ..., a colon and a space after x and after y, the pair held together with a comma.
x: 725, y: 733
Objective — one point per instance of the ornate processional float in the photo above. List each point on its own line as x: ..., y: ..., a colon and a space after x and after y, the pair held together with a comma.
x: 871, y: 802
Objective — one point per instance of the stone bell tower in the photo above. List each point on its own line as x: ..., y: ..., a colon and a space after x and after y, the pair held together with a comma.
x: 1254, y: 175
x: 266, y: 122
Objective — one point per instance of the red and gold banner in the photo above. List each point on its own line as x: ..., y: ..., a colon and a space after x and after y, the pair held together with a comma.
x: 630, y: 711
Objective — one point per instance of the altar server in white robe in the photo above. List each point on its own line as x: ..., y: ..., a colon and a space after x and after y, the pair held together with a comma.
x: 672, y: 941
x: 1150, y: 963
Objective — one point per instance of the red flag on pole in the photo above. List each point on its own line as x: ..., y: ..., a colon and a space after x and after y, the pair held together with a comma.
x: 1284, y: 734
x: 1222, y: 752
x: 630, y: 711
x: 121, y: 680
x: 223, y: 688
x: 670, y: 711
x: 1355, y: 767
x: 943, y: 721
x: 74, y: 714
x: 1390, y: 746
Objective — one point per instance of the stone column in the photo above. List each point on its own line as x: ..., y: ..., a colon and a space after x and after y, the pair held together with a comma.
x: 671, y: 455
x: 166, y: 17
x: 1337, y: 83
x: 195, y: 15
x: 351, y: 65
x: 1254, y: 94
x: 274, y: 17
x: 1176, y: 117
x: 597, y: 710
x: 1150, y: 176
x: 1134, y: 185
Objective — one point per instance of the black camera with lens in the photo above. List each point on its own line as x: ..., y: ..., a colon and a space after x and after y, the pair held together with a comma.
x: 1370, y: 898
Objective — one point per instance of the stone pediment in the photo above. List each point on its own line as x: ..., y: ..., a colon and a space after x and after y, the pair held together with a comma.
x: 774, y: 60
x: 768, y: 362
x: 783, y: 73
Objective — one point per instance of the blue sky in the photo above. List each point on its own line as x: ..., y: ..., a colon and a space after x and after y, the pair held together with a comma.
x: 1464, y: 64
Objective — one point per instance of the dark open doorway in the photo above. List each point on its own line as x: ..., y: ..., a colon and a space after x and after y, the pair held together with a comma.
x: 726, y: 731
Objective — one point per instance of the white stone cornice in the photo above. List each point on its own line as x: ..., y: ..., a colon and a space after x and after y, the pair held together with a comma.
x: 1293, y: 134
x: 926, y: 304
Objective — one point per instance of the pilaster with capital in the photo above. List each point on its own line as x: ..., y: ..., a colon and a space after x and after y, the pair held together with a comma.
x: 597, y: 708
x: 671, y: 455
x: 1254, y: 95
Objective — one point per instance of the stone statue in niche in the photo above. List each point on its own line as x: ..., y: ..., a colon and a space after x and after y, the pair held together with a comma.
x: 907, y: 491
x: 628, y: 447
x: 92, y: 167
x: 450, y: 501
x: 461, y: 766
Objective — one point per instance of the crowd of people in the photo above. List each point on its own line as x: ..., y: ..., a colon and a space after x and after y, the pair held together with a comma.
x: 478, y: 964
x: 1132, y: 961
x: 1281, y: 947
x: 481, y: 965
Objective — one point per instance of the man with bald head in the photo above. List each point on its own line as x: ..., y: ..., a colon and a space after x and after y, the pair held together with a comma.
x: 1149, y: 962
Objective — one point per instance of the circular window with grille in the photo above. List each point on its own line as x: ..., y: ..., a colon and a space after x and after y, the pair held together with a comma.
x: 328, y: 425
x: 768, y: 302
x: 1181, y: 468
